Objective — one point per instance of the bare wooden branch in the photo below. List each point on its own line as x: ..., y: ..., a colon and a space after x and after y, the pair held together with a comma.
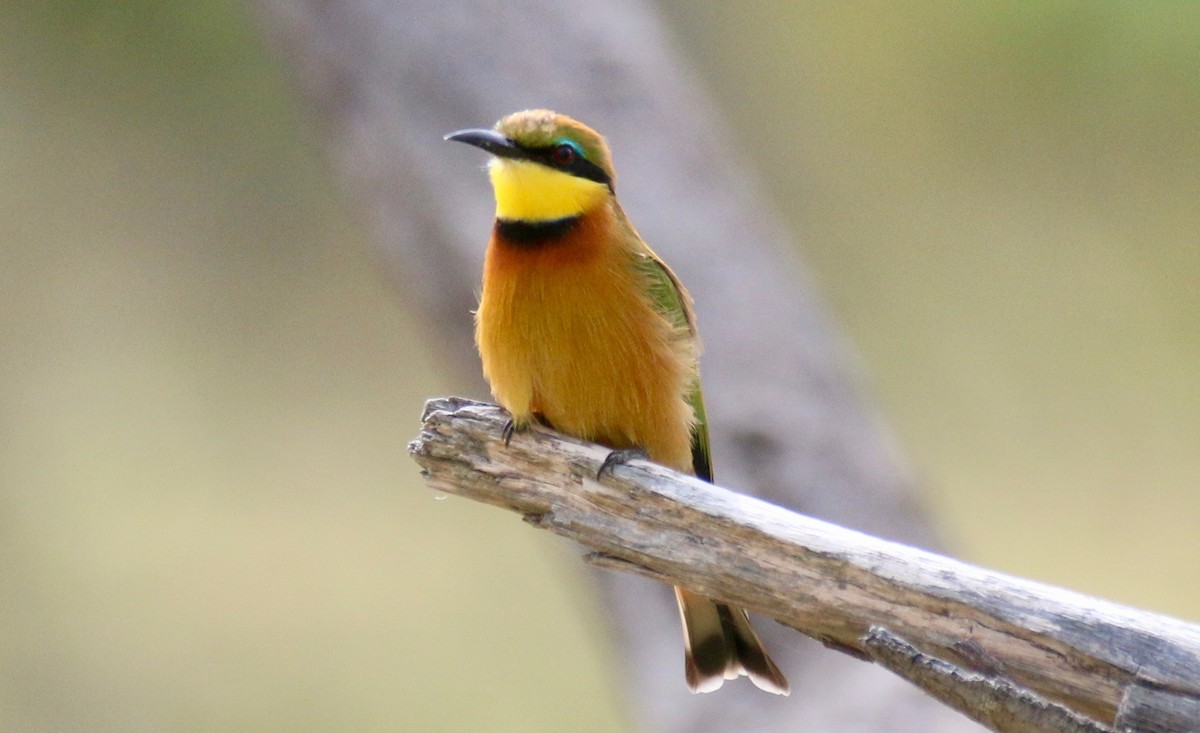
x: 994, y: 701
x: 1150, y: 708
x: 1038, y: 647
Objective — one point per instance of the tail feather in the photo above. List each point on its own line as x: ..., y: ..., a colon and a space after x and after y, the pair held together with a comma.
x: 719, y: 645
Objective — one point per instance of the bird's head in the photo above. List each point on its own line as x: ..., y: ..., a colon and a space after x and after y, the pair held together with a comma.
x: 545, y: 166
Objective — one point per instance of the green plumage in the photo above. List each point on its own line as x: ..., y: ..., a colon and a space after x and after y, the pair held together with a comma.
x: 671, y: 301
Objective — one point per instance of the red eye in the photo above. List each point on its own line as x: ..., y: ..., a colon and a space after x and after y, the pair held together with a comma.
x: 564, y: 155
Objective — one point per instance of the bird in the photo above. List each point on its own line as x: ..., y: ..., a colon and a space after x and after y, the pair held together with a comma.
x: 582, y: 328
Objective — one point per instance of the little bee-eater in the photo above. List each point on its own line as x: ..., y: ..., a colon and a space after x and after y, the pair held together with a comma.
x: 583, y: 328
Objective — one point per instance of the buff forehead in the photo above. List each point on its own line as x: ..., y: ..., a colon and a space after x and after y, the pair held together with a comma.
x: 532, y: 123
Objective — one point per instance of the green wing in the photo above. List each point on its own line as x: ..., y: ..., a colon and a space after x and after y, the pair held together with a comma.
x: 675, y: 304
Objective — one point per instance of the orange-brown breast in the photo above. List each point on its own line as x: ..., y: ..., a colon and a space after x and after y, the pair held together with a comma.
x: 566, y: 329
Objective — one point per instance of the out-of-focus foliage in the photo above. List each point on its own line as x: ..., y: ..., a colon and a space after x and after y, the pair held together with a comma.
x: 207, y: 520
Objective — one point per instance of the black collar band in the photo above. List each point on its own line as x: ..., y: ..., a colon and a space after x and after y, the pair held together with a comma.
x: 535, y: 233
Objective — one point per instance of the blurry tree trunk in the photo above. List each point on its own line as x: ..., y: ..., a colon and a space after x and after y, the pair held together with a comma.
x: 388, y: 79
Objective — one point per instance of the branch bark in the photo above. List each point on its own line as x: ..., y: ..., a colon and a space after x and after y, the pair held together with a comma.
x: 1012, y: 654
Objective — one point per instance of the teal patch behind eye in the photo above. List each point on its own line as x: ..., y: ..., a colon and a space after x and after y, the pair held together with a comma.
x: 574, y: 146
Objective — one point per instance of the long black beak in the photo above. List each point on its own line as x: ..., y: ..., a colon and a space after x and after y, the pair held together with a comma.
x: 489, y: 140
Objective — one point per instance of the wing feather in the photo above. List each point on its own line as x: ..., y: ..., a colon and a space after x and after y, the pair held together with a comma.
x: 675, y: 304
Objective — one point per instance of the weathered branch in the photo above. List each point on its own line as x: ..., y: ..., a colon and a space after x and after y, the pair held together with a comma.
x: 1012, y: 654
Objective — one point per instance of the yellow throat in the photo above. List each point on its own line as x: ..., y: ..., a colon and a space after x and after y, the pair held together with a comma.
x: 528, y: 191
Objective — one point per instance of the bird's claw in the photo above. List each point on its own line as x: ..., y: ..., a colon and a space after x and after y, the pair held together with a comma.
x: 620, y: 457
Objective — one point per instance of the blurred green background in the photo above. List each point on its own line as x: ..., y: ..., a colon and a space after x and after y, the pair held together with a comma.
x: 207, y: 517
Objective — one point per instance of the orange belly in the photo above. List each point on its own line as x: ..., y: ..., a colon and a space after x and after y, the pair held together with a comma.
x: 567, y: 332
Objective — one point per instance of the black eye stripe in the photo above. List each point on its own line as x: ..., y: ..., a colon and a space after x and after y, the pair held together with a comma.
x: 581, y: 167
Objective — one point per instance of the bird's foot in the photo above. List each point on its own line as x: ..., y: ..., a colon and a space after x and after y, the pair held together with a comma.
x: 513, y: 426
x: 620, y: 457
x: 509, y: 428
